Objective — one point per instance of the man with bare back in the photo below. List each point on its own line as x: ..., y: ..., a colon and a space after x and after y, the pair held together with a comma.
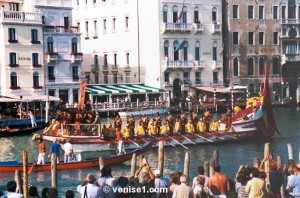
x: 218, y: 183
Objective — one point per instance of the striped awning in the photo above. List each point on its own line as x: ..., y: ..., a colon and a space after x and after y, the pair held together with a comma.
x: 121, y: 89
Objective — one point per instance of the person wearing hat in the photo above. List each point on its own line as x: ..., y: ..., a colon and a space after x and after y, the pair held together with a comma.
x: 159, y: 183
x: 131, y: 123
x: 153, y: 129
x: 201, y: 126
x: 170, y: 120
x: 126, y: 132
x: 145, y: 121
x: 89, y: 187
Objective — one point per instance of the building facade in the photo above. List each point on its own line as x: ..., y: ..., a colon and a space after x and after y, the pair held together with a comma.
x: 21, y: 50
x: 62, y: 52
x: 164, y: 43
x: 253, y: 40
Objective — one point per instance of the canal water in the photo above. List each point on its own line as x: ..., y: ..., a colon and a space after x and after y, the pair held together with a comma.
x: 232, y: 155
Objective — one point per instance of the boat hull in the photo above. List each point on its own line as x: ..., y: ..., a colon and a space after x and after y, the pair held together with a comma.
x: 162, y: 111
x: 22, y: 122
x: 21, y: 131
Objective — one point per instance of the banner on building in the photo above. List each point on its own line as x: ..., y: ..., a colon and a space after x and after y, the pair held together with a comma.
x: 82, y: 95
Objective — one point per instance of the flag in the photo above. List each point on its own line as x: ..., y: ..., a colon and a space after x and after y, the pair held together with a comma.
x: 179, y: 47
x: 180, y: 15
x: 283, y: 59
x: 222, y: 50
x: 82, y: 95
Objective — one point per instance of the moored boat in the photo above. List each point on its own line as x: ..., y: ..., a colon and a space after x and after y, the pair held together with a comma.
x: 12, y: 166
x: 22, y: 131
x: 21, y: 122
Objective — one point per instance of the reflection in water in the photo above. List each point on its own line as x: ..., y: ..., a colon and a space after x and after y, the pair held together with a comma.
x: 7, y: 149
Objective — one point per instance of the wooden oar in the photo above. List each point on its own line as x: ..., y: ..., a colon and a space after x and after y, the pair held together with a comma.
x: 203, y: 138
x: 165, y: 141
x: 177, y: 142
x: 187, y: 139
x: 227, y: 135
x: 133, y: 142
x: 31, y: 168
x: 221, y: 138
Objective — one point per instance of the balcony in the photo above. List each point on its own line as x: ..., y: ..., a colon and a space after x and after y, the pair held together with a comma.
x: 290, y: 21
x: 199, y: 64
x: 177, y: 27
x: 76, y: 57
x: 114, y: 69
x: 60, y: 29
x: 95, y: 68
x: 216, y: 28
x: 51, y: 78
x: 179, y: 64
x: 52, y: 57
x: 291, y: 58
x: 127, y: 69
x: 53, y: 3
x: 198, y: 28
x: 20, y: 17
x: 217, y: 65
x: 105, y: 69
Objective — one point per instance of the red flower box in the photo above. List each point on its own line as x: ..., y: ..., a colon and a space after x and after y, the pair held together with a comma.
x: 14, y: 65
x: 52, y: 53
x: 37, y: 87
x: 36, y: 42
x: 13, y: 41
x: 76, y: 53
x: 38, y: 65
x: 15, y: 87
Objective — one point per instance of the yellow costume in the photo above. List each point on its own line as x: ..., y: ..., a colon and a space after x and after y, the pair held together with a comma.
x: 214, y: 126
x: 153, y: 129
x: 140, y: 131
x: 177, y: 127
x: 165, y: 129
x: 126, y: 132
x: 201, y: 126
x: 190, y: 128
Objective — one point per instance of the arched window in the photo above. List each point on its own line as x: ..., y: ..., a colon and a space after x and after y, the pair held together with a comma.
x: 166, y: 49
x: 215, y: 50
x: 214, y: 14
x: 261, y: 64
x: 185, y: 50
x: 36, y: 79
x: 250, y: 66
x: 184, y: 14
x: 235, y: 67
x: 74, y: 45
x: 196, y: 14
x: 165, y: 14
x: 176, y: 53
x: 197, y: 51
x: 276, y: 65
x: 175, y: 13
x: 13, y: 79
x: 50, y: 44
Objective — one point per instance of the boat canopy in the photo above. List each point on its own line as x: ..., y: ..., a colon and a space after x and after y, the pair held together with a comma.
x: 122, y: 89
x: 222, y: 90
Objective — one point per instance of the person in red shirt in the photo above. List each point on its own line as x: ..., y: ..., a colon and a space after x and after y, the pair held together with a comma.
x: 42, y: 151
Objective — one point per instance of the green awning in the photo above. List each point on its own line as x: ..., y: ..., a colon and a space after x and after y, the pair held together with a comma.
x: 122, y: 89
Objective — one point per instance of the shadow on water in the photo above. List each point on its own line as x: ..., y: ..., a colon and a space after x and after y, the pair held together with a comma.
x: 232, y: 155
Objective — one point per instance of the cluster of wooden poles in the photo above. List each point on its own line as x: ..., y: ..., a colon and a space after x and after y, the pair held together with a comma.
x: 208, y: 165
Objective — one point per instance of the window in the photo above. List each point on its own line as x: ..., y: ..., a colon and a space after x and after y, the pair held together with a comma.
x: 13, y: 79
x: 196, y: 14
x: 275, y: 12
x: 235, y: 10
x: 36, y: 79
x: 250, y: 12
x: 86, y: 29
x: 235, y: 67
x: 75, y: 73
x: 261, y: 64
x: 50, y: 44
x: 34, y: 36
x: 127, y: 77
x: 175, y: 53
x: 126, y: 22
x: 235, y: 38
x: 184, y: 14
x: 276, y: 66
x: 74, y: 45
x: 14, y: 7
x: 283, y: 12
x: 13, y: 59
x: 78, y: 26
x: 215, y: 77
x: 250, y: 67
x: 186, y: 78
x: 250, y: 38
x: 166, y: 49
x: 175, y: 14
x: 214, y: 51
x: 275, y: 38
x: 105, y: 79
x: 96, y: 60
x: 51, y: 76
x: 127, y: 58
x: 94, y: 1
x: 115, y: 78
x: 298, y: 12
x: 214, y: 14
x: 115, y: 60
x: 104, y: 24
x: 197, y: 51
x: 261, y: 38
x: 12, y: 35
x: 165, y: 14
x: 198, y: 77
x: 291, y: 9
x: 66, y: 22
x: 75, y: 95
x: 96, y: 79
x: 105, y: 60
x: 185, y: 50
x: 51, y: 92
x: 114, y: 23
x: 95, y: 29
x: 35, y: 60
x: 261, y: 13
x: 167, y: 77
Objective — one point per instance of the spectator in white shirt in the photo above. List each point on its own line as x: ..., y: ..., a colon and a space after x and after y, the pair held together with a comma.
x: 68, y: 148
x: 89, y: 187
x: 11, y: 190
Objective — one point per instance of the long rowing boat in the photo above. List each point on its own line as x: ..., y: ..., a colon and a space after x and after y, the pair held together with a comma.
x: 11, y: 166
x: 21, y: 122
x: 22, y: 131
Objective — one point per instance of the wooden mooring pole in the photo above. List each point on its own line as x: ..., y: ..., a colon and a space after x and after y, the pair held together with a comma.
x: 18, y: 180
x: 25, y: 174
x: 186, y: 167
x: 53, y: 171
x: 206, y: 168
x: 161, y: 158
x: 133, y: 164
x: 290, y: 151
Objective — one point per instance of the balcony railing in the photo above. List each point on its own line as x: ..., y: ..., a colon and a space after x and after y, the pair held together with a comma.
x: 199, y: 64
x: 75, y: 78
x: 179, y: 64
x: 20, y: 17
x: 292, y: 57
x: 216, y: 28
x: 61, y: 29
x: 95, y: 68
x: 177, y: 27
x: 52, y: 57
x: 53, y: 3
x: 76, y: 57
x: 290, y: 21
x: 197, y: 27
x: 217, y: 64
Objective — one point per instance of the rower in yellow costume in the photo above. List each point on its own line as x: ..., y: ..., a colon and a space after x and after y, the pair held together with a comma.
x: 140, y: 130
x: 201, y: 126
x: 126, y: 132
x: 189, y: 127
x: 152, y: 129
x: 165, y: 129
x: 214, y: 126
x: 177, y: 128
